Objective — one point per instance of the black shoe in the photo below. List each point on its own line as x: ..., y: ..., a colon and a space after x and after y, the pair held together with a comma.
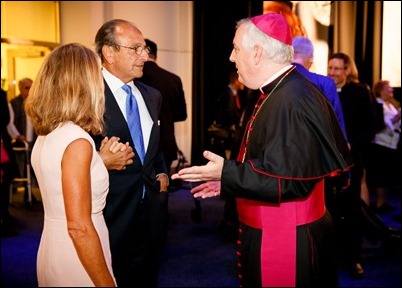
x: 357, y: 271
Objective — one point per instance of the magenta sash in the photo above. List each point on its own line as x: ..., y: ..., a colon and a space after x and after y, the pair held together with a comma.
x: 278, y: 224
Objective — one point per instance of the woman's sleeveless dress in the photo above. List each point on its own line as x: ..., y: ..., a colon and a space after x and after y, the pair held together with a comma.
x: 57, y: 260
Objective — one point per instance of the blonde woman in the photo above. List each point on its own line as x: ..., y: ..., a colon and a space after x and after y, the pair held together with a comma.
x: 66, y: 104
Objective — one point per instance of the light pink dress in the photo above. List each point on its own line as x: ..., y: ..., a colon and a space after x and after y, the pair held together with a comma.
x: 57, y: 260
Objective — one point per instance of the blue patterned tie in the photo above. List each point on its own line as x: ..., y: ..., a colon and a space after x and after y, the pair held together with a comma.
x: 134, y: 122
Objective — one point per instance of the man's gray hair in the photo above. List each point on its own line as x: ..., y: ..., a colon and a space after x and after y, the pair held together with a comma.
x: 303, y: 46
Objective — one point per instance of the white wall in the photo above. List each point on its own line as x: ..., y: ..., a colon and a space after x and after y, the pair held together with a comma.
x: 391, y: 56
x: 167, y: 23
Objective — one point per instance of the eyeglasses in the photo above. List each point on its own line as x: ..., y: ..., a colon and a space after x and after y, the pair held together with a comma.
x: 137, y: 49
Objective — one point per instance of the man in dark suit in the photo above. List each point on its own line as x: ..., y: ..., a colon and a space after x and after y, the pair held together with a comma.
x: 20, y: 127
x: 359, y: 122
x: 136, y: 206
x: 173, y: 104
